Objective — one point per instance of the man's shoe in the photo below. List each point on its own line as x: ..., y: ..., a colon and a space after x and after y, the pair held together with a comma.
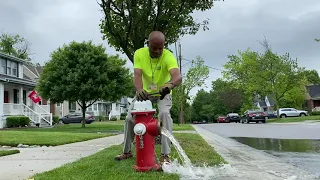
x: 164, y: 159
x: 123, y: 156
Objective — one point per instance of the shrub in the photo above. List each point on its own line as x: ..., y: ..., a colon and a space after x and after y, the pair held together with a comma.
x: 315, y: 113
x: 55, y: 119
x: 123, y: 116
x: 101, y: 118
x: 113, y: 118
x: 17, y: 121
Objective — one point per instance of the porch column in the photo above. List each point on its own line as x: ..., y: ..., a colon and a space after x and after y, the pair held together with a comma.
x: 21, y: 99
x: 1, y: 104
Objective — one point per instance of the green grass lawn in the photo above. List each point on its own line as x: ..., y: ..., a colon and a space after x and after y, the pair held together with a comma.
x: 67, y: 133
x: 182, y: 127
x: 103, y: 166
x: 13, y: 138
x: 8, y: 152
x: 294, y: 119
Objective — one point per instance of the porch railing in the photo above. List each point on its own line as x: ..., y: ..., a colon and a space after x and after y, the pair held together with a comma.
x: 42, y: 109
x: 316, y: 108
x: 36, y: 117
x: 12, y: 109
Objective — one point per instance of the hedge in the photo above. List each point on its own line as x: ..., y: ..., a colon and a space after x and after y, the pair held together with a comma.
x: 17, y: 121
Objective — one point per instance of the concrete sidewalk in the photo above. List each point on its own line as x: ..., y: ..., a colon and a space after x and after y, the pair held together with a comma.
x: 36, y: 160
x: 252, y: 164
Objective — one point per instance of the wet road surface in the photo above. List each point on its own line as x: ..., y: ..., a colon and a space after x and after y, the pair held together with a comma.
x: 295, y: 144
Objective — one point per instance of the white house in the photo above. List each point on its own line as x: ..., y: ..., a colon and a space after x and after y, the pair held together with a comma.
x: 99, y: 108
x: 15, y: 86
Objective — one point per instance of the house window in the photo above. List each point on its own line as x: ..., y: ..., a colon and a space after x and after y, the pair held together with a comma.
x: 9, y: 67
x: 95, y: 108
x: 3, y: 66
x: 58, y: 104
x: 14, y: 66
x: 72, y: 106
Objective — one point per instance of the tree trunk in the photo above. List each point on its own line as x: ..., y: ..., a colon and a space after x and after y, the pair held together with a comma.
x: 84, y: 107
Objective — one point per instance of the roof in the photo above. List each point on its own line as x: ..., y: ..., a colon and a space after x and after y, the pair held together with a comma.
x: 262, y: 104
x: 313, y: 90
x: 271, y: 100
x: 4, y: 55
x: 36, y: 70
x: 16, y: 80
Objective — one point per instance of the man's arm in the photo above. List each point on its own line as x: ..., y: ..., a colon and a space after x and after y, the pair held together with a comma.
x: 137, y: 79
x: 176, y: 77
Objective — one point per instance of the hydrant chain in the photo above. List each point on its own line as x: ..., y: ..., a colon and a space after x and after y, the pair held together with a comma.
x: 141, y: 142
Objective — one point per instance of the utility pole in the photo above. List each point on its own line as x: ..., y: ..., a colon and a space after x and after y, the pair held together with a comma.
x: 181, y: 88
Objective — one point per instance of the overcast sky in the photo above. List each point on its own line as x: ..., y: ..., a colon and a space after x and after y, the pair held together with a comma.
x: 289, y: 25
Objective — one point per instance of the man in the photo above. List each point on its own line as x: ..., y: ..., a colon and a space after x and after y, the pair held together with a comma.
x: 155, y: 70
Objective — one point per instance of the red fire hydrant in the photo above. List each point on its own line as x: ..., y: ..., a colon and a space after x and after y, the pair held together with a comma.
x: 146, y: 128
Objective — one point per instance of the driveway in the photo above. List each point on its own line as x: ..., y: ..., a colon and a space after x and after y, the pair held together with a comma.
x: 271, y: 150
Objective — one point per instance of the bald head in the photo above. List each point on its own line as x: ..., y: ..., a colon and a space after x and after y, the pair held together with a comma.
x: 156, y: 43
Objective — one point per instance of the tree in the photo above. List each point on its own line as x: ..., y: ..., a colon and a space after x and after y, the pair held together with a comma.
x: 312, y: 76
x: 195, y: 77
x: 127, y: 24
x: 14, y: 45
x: 318, y: 40
x: 201, y: 99
x: 232, y: 99
x: 84, y: 73
x: 265, y: 74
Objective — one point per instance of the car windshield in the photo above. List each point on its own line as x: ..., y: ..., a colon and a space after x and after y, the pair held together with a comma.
x: 233, y: 114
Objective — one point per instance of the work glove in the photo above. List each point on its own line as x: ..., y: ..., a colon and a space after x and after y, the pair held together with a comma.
x: 142, y: 95
x: 165, y: 89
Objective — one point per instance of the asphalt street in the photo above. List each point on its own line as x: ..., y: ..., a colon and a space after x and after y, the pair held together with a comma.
x: 296, y: 144
x: 277, y: 131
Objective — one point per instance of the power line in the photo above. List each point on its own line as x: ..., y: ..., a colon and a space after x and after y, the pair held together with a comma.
x: 205, y: 65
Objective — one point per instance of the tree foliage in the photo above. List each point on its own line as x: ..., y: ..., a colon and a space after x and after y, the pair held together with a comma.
x: 195, y: 77
x: 127, y: 24
x: 312, y: 76
x: 84, y: 73
x: 265, y: 74
x: 14, y: 45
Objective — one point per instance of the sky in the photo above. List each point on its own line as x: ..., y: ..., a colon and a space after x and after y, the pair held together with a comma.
x: 289, y: 26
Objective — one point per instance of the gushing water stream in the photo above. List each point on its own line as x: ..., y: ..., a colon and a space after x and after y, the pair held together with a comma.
x: 187, y: 171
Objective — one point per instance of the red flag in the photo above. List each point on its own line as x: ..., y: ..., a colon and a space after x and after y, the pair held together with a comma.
x: 34, y: 97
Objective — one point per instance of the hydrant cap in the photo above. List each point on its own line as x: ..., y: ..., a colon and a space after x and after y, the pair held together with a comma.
x: 139, y: 129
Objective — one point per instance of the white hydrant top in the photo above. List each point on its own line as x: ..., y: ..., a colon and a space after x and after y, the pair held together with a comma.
x: 139, y: 129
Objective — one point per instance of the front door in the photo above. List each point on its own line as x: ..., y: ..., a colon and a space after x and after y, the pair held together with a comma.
x: 6, y: 96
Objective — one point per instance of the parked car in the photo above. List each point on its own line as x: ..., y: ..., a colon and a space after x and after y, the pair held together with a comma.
x: 254, y: 116
x: 291, y: 112
x: 271, y: 114
x: 76, y: 118
x: 221, y: 119
x: 233, y: 117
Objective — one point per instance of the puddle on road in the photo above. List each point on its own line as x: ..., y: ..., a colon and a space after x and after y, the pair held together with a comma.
x: 286, y: 145
x: 302, y: 153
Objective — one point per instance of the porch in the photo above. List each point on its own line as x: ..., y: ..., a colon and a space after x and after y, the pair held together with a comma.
x: 15, y: 102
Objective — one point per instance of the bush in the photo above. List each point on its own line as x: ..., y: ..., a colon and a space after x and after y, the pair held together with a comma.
x: 123, y: 116
x: 113, y: 118
x: 315, y: 113
x: 55, y: 119
x: 17, y: 121
x: 101, y: 118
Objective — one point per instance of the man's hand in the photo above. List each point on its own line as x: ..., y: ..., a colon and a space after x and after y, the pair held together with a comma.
x: 164, y: 90
x: 142, y: 95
